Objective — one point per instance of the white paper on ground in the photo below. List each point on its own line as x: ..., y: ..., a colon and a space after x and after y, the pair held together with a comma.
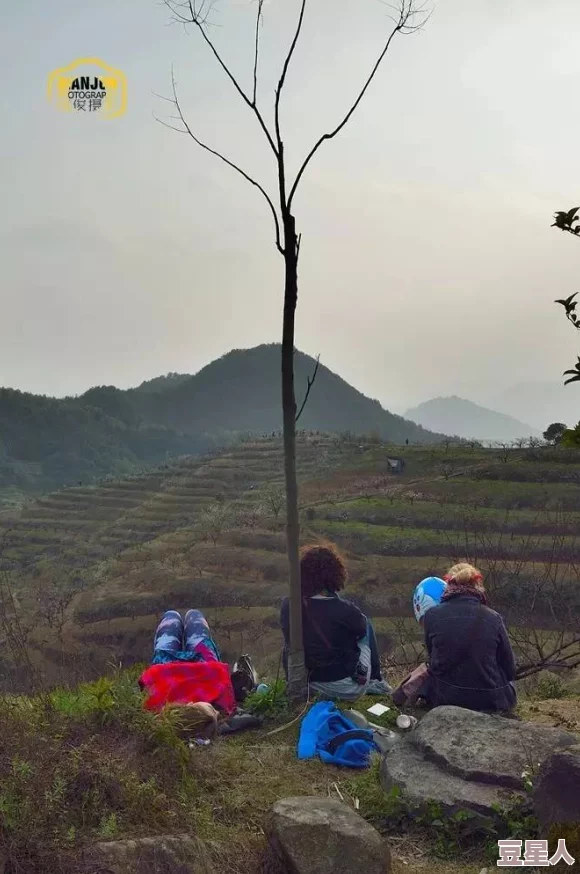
x: 378, y: 709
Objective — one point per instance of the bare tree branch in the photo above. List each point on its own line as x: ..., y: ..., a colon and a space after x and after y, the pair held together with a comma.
x: 202, y: 13
x: 187, y: 130
x: 309, y: 386
x: 198, y: 15
x: 256, y: 50
x: 284, y: 72
x: 406, y: 12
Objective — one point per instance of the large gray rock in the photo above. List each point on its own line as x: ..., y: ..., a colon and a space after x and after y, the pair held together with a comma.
x: 170, y: 854
x: 321, y: 836
x: 557, y: 789
x: 492, y: 749
x: 467, y: 760
x: 422, y: 781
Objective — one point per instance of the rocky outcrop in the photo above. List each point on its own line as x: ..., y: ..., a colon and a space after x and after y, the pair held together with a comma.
x: 557, y: 790
x: 170, y: 854
x: 467, y: 760
x: 422, y: 781
x: 312, y: 835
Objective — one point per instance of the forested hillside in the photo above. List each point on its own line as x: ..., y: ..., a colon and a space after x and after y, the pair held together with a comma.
x: 47, y: 442
x: 241, y: 392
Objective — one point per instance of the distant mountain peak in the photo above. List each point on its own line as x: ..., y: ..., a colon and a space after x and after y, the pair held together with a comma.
x: 49, y: 442
x: 464, y: 418
x: 240, y: 392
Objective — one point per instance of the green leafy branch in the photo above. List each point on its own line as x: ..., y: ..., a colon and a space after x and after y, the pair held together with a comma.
x: 569, y: 222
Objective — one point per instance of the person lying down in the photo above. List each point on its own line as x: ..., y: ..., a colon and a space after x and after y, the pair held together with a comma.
x: 188, y: 677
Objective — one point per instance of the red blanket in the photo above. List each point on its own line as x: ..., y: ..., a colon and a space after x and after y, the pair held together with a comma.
x: 187, y: 683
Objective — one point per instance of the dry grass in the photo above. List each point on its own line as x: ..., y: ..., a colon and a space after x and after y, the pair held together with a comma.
x: 94, y: 750
x: 562, y: 712
x: 127, y: 569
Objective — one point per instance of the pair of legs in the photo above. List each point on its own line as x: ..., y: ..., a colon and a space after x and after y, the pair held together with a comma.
x: 189, y: 639
x: 348, y: 689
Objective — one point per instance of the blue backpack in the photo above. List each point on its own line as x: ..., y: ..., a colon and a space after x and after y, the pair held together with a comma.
x: 325, y: 731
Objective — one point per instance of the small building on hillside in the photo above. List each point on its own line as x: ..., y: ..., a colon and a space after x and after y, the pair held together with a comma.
x: 396, y: 465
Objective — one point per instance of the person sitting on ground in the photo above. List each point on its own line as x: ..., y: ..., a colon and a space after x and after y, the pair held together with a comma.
x: 471, y: 662
x: 187, y: 673
x: 340, y: 645
x: 427, y: 594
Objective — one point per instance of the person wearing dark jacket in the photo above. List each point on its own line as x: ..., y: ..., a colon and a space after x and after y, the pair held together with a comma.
x: 471, y: 663
x: 340, y: 645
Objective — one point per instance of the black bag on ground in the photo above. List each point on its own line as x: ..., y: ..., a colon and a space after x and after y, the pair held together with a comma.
x: 244, y: 678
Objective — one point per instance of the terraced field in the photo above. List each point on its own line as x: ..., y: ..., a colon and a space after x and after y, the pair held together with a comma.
x: 91, y: 569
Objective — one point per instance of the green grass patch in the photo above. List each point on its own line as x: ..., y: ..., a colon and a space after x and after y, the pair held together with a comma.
x: 412, y: 513
x: 272, y: 704
x: 87, y: 764
x: 503, y: 494
x: 362, y: 538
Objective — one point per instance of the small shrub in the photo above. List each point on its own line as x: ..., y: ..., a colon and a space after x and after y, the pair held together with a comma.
x: 272, y: 704
x: 109, y: 827
x: 550, y: 687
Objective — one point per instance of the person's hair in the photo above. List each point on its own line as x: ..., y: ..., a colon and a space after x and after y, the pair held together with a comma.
x: 464, y: 574
x: 322, y: 569
x: 194, y: 720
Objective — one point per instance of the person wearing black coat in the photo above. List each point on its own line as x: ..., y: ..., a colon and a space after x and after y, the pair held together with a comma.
x: 340, y: 646
x: 471, y: 662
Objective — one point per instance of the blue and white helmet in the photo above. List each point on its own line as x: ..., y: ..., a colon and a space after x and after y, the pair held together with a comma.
x: 426, y: 595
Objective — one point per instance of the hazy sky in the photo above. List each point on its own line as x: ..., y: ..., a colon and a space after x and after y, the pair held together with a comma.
x: 427, y: 265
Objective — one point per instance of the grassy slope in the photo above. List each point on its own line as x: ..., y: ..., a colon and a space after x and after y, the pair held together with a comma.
x: 87, y: 764
x: 126, y: 550
x: 133, y: 547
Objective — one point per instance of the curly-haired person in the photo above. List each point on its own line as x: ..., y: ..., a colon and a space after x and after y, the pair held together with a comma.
x: 340, y: 645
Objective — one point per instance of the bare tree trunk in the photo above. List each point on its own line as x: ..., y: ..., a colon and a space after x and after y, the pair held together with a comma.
x: 197, y: 13
x: 296, y: 664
